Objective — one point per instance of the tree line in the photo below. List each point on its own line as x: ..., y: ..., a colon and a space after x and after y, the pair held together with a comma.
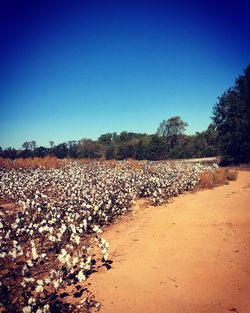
x: 227, y: 136
x: 168, y: 143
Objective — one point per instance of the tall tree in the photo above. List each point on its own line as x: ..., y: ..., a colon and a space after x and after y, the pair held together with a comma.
x: 10, y: 153
x: 40, y: 152
x: 105, y: 139
x: 33, y: 145
x: 72, y: 148
x: 26, y: 145
x: 61, y: 150
x: 172, y: 129
x: 231, y: 115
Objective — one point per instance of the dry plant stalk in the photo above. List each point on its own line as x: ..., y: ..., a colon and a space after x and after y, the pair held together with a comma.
x: 220, y: 176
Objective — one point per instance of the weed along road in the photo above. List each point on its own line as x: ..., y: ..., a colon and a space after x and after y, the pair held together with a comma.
x: 192, y: 255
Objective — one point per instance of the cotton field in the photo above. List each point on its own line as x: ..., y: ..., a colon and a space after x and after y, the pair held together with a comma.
x: 51, y: 239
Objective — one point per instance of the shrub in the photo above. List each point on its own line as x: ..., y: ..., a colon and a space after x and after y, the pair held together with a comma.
x: 232, y: 174
x: 46, y: 162
x: 219, y: 177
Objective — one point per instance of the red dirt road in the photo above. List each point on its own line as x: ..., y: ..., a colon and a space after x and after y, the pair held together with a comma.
x: 190, y: 256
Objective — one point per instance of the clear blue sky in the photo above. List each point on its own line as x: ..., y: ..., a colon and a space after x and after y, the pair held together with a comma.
x: 80, y: 69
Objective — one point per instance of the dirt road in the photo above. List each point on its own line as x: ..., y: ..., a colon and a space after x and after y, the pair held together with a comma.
x: 190, y: 256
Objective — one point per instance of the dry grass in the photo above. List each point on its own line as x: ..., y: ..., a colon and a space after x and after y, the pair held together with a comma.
x: 86, y: 161
x: 134, y: 164
x: 232, y: 174
x: 219, y: 177
x: 46, y: 162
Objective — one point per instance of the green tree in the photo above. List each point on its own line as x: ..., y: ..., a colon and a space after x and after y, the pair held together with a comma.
x: 106, y: 139
x: 10, y: 153
x: 40, y: 152
x: 61, y: 150
x: 156, y: 149
x: 111, y: 152
x: 172, y: 129
x: 88, y: 148
x: 231, y: 115
x: 26, y: 145
x: 51, y: 143
x: 72, y: 148
x: 127, y: 149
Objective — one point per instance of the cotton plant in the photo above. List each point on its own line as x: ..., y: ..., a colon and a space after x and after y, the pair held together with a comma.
x: 53, y: 238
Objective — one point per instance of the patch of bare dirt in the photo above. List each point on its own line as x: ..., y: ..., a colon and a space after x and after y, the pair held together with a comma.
x: 192, y: 255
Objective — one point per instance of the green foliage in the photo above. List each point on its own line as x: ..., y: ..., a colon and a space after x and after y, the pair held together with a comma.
x: 60, y: 151
x: 127, y: 145
x: 90, y: 149
x: 40, y: 152
x: 231, y: 116
x: 174, y: 126
x: 106, y: 139
x: 9, y: 153
x: 172, y: 129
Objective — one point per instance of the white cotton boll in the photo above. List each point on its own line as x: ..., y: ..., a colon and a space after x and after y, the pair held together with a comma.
x: 13, y: 253
x: 3, y: 255
x: 39, y: 311
x: 106, y: 256
x: 63, y: 252
x: 56, y: 284
x: 19, y: 248
x: 14, y: 226
x: 47, y: 281
x: 46, y: 308
x: 29, y: 262
x: 104, y: 250
x: 96, y: 229
x: 40, y: 282
x: 27, y: 309
x: 88, y: 259
x: 77, y: 239
x: 40, y: 229
x: 39, y: 288
x: 87, y: 267
x: 34, y: 253
x: 31, y: 300
x: 81, y: 276
x: 75, y: 260
x: 52, y: 238
x: 61, y: 258
x: 29, y: 279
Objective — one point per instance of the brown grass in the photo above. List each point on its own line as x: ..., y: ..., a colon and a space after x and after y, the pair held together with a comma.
x: 219, y: 177
x: 134, y: 164
x: 46, y: 162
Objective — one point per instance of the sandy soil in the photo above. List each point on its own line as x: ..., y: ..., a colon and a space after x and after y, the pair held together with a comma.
x: 190, y: 256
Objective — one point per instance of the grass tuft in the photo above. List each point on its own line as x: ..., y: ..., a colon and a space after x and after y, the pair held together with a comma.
x: 219, y: 177
x: 46, y: 162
